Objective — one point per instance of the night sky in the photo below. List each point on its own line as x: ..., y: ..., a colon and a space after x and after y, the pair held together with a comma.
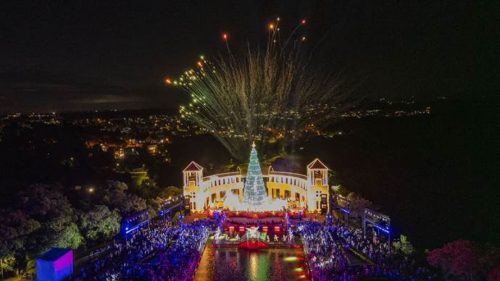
x: 82, y: 55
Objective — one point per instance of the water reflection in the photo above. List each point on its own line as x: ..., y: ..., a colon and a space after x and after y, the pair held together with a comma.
x: 233, y: 264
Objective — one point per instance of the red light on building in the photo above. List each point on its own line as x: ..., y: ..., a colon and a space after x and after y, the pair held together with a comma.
x: 277, y: 229
x: 265, y: 228
x: 231, y: 228
x: 241, y: 228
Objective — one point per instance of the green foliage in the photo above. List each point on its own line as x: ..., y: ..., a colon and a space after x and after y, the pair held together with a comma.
x: 403, y: 245
x: 139, y: 176
x: 15, y: 231
x: 30, y: 266
x: 8, y: 263
x: 54, y: 233
x: 340, y: 189
x: 42, y: 219
x: 45, y: 203
x: 333, y: 179
x: 56, y: 215
x: 154, y: 205
x: 169, y: 191
x: 69, y: 237
x: 99, y: 223
x: 148, y: 189
x: 115, y: 197
x: 176, y: 217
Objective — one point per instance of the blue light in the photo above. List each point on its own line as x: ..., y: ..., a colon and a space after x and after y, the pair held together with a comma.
x: 345, y: 210
x: 127, y: 231
x: 386, y: 230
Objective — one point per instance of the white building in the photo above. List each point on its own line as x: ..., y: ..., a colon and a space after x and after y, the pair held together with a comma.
x: 309, y: 191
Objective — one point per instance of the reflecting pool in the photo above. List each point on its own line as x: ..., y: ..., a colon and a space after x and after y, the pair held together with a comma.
x: 233, y: 264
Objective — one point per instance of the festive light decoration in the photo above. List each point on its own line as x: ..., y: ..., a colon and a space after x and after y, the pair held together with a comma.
x: 254, y: 192
x: 235, y: 192
x: 290, y: 259
x: 273, y: 96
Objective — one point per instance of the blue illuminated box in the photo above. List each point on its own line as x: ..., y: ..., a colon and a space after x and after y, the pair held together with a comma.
x: 54, y: 265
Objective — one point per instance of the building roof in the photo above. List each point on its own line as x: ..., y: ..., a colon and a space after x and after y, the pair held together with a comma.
x: 193, y: 166
x: 54, y: 254
x: 317, y: 164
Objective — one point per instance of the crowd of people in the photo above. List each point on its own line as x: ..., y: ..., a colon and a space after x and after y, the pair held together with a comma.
x: 163, y: 251
x: 178, y: 261
x: 159, y: 251
x: 340, y: 252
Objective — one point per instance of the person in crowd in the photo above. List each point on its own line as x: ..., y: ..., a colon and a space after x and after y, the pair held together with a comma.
x: 133, y: 258
x: 327, y: 248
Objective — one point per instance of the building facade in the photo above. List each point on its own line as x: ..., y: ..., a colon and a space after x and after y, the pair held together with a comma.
x: 308, y: 191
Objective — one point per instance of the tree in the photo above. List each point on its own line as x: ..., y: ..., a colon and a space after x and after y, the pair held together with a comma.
x: 45, y: 203
x: 404, y: 246
x: 494, y: 274
x: 56, y: 216
x: 116, y: 197
x: 339, y: 189
x: 148, y: 189
x: 68, y: 237
x: 254, y: 191
x: 118, y: 185
x: 43, y: 219
x: 170, y: 191
x: 15, y: 232
x: 132, y: 203
x: 358, y: 204
x: 99, y: 223
x: 7, y: 264
x: 458, y: 258
x: 16, y: 227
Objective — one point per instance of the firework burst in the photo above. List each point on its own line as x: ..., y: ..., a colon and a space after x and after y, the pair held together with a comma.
x: 272, y: 95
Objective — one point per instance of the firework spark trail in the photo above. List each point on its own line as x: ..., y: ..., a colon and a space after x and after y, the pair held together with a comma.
x: 275, y: 95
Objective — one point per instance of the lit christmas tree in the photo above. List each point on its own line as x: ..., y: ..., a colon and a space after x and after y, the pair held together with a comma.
x: 254, y: 192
